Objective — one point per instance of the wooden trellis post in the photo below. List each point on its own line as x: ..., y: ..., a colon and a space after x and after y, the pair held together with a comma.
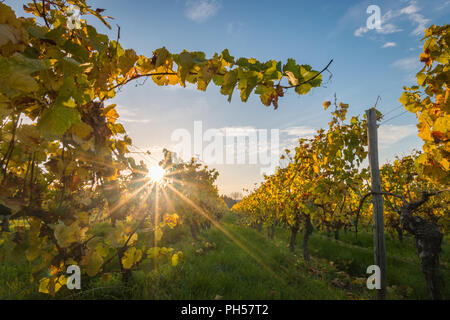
x: 377, y: 198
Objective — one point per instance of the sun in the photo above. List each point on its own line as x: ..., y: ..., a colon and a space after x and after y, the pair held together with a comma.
x: 156, y: 173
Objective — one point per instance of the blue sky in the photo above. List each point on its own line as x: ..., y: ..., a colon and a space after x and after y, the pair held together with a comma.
x: 367, y: 63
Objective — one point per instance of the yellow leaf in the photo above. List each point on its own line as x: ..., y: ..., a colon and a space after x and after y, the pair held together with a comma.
x: 43, y: 285
x: 131, y: 257
x: 175, y: 260
x: 158, y: 234
x: 153, y: 252
x: 442, y: 124
x: 111, y: 115
x: 445, y: 164
x: 171, y: 220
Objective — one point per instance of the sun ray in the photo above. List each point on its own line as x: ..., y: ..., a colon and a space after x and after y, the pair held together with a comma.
x: 168, y: 200
x: 156, y: 221
x: 121, y: 202
x: 186, y: 183
x: 226, y: 232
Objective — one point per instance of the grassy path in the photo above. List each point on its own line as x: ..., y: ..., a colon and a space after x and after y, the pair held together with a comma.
x: 248, y: 267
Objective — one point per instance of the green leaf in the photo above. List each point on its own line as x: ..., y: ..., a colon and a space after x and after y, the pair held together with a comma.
x: 304, y: 88
x: 81, y: 129
x: 77, y: 52
x: 229, y: 82
x: 294, y: 71
x: 22, y: 82
x: 247, y: 82
x: 127, y: 61
x: 94, y: 263
x: 161, y: 56
x: 57, y: 120
x: 185, y: 62
x: 227, y: 57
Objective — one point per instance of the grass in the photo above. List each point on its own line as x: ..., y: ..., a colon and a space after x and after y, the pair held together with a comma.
x: 228, y: 271
x: 404, y: 276
x: 245, y: 264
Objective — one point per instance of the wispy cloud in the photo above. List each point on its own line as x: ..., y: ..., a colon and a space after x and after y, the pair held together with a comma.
x: 407, y: 64
x: 389, y: 45
x: 128, y: 120
x: 411, y: 12
x: 201, y: 10
x: 421, y: 22
x: 129, y: 115
x: 391, y: 134
x: 412, y: 8
x: 410, y: 66
x: 444, y: 5
x: 300, y: 132
x: 386, y: 29
x: 291, y: 135
x: 361, y: 31
x: 389, y: 28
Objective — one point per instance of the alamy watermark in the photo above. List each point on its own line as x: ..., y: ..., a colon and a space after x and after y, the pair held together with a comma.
x: 229, y: 146
x: 374, y: 281
x: 74, y: 278
x: 374, y: 20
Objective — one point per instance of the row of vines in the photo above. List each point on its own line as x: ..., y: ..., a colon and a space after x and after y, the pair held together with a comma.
x: 324, y: 182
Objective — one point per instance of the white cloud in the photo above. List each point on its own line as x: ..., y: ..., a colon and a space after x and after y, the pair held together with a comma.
x: 388, y: 28
x: 411, y: 11
x: 410, y: 66
x: 301, y: 131
x: 129, y: 115
x: 444, y: 5
x: 391, y: 134
x: 389, y: 45
x: 407, y: 64
x: 200, y: 10
x: 128, y: 120
x: 237, y: 131
x: 385, y: 29
x: 361, y: 31
x: 421, y: 21
x: 412, y: 8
